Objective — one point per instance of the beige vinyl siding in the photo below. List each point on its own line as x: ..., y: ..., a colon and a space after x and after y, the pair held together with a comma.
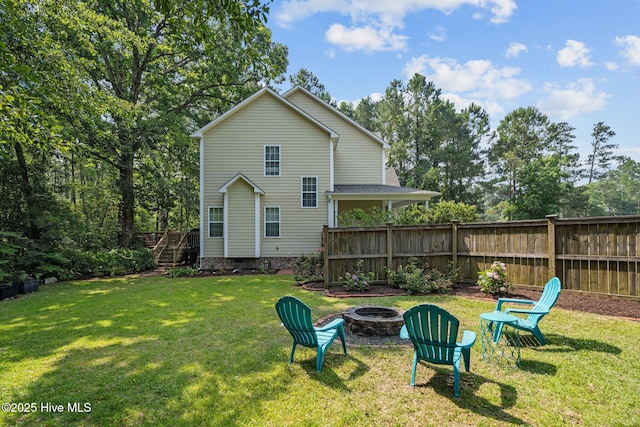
x: 236, y: 145
x: 358, y: 157
x: 241, y: 226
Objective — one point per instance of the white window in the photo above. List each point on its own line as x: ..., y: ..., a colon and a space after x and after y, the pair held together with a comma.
x: 216, y: 222
x: 272, y: 160
x: 309, y: 191
x: 271, y: 222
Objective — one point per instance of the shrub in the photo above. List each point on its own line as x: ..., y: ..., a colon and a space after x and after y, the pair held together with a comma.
x: 115, y: 262
x: 182, y: 271
x: 357, y: 280
x: 308, y: 268
x: 494, y: 280
x: 417, y: 277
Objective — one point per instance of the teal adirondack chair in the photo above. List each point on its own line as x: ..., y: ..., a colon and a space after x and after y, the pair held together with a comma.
x: 296, y: 317
x: 433, y: 332
x: 540, y: 308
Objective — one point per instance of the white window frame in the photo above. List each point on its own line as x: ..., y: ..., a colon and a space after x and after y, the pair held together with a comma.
x: 303, y: 192
x: 279, y: 222
x: 265, y: 160
x: 209, y: 222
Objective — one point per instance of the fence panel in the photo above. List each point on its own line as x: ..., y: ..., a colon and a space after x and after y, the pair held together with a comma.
x: 593, y: 255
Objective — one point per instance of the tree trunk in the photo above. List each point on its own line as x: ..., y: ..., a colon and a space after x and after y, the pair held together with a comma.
x: 34, y: 231
x: 126, y: 209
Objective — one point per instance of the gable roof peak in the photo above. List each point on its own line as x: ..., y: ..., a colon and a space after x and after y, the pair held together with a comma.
x: 337, y: 112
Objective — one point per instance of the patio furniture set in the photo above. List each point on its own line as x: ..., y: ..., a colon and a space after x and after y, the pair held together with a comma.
x: 433, y: 331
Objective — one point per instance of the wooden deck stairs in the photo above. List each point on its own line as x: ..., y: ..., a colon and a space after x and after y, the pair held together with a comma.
x: 169, y: 247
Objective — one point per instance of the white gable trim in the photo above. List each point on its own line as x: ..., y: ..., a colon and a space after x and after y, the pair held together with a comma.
x: 262, y: 92
x: 225, y: 188
x: 338, y: 113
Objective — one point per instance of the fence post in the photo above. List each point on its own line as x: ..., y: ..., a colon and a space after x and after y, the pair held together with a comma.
x: 454, y: 243
x: 325, y: 265
x: 389, y: 247
x: 551, y: 243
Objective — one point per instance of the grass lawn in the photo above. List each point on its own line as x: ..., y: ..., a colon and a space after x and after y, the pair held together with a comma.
x: 210, y: 351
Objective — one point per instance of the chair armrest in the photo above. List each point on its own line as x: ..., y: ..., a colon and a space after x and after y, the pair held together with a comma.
x: 522, y: 311
x: 331, y: 325
x: 468, y: 339
x: 513, y: 300
x: 403, y: 333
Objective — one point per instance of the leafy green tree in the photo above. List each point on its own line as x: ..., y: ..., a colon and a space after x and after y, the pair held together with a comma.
x: 150, y: 69
x: 618, y: 192
x: 532, y: 164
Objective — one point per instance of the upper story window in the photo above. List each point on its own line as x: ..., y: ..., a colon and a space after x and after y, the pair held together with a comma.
x: 216, y: 222
x: 272, y: 160
x: 309, y: 191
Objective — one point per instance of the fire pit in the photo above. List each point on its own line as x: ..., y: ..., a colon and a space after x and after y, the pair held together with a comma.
x: 373, y: 320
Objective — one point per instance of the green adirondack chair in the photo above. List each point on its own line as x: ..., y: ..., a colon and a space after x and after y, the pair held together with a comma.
x: 433, y: 332
x: 296, y: 317
x: 540, y: 308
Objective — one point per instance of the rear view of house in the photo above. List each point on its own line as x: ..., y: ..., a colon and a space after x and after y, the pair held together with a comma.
x: 274, y: 169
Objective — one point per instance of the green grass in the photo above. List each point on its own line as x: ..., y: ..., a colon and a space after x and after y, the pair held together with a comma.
x: 210, y: 351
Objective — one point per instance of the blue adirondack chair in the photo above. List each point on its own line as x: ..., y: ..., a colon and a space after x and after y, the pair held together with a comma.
x: 540, y: 308
x: 296, y: 317
x: 433, y: 332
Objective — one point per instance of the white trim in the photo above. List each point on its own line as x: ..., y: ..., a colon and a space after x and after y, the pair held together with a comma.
x: 201, y: 232
x: 331, y: 165
x: 264, y: 160
x: 302, y: 192
x: 238, y: 176
x: 257, y: 224
x: 279, y: 222
x: 225, y: 226
x: 337, y: 112
x: 200, y: 132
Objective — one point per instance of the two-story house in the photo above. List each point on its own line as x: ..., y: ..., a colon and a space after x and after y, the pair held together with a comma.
x: 276, y: 168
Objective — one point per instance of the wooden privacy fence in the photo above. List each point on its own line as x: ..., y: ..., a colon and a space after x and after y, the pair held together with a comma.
x: 593, y: 255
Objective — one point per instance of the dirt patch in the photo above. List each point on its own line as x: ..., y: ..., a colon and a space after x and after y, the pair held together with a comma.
x: 603, y: 305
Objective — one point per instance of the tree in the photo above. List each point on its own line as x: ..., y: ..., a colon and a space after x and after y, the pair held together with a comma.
x: 150, y: 69
x: 617, y: 192
x: 599, y: 161
x: 309, y: 81
x: 517, y: 141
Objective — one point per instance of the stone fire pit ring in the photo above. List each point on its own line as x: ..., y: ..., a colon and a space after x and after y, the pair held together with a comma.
x: 373, y: 320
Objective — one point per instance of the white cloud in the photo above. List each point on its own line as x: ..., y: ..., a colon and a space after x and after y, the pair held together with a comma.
x: 375, y: 23
x: 438, y: 34
x: 574, y: 54
x: 515, y: 49
x: 477, y: 79
x: 611, y: 66
x: 366, y: 38
x: 578, y: 97
x: 630, y: 48
x: 296, y: 10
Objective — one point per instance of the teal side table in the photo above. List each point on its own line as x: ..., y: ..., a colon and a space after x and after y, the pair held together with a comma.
x: 499, y: 340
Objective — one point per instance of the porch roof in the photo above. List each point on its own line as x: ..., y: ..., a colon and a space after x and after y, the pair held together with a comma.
x: 379, y: 192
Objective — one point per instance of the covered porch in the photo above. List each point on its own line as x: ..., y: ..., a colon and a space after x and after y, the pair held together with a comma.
x: 388, y: 197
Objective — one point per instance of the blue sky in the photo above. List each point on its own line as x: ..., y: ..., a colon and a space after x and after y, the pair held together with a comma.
x: 576, y: 60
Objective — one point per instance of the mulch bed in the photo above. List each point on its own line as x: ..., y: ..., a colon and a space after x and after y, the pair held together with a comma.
x: 603, y: 305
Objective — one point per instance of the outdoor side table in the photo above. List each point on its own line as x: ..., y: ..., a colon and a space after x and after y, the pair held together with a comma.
x: 499, y: 340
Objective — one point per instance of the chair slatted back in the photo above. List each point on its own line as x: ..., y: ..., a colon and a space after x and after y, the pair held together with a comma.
x: 433, y: 332
x: 296, y: 317
x: 547, y: 300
